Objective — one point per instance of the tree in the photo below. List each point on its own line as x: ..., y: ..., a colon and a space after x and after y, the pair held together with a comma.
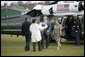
x: 29, y: 2
x: 47, y: 2
x: 13, y: 4
x: 5, y: 5
x: 20, y: 3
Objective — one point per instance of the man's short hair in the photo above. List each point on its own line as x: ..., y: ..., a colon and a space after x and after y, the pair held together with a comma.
x: 34, y: 20
x: 26, y: 18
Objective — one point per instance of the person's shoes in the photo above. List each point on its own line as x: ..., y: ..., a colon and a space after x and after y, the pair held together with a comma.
x: 27, y: 49
x: 33, y: 50
x: 77, y: 44
x: 58, y: 48
x: 40, y: 50
x: 26, y: 52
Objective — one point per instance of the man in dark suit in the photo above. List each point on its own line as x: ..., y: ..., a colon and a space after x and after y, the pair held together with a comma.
x: 26, y: 32
x: 48, y: 32
x: 76, y: 30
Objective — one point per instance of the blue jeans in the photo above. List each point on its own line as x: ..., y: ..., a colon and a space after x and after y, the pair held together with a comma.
x: 42, y: 41
x: 77, y: 38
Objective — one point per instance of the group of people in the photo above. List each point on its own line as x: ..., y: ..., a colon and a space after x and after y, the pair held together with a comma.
x: 40, y: 33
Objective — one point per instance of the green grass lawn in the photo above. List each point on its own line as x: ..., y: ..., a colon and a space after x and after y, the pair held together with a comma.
x: 14, y: 46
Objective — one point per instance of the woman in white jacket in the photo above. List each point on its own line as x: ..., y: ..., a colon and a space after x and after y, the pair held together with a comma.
x: 36, y: 34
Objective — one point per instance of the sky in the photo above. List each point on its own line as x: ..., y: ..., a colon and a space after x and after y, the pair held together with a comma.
x: 9, y: 2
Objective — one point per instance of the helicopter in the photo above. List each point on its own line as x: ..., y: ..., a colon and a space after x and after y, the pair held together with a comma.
x: 12, y: 26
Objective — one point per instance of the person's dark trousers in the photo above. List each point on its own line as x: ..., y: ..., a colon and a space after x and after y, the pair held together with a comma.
x: 39, y: 46
x: 49, y: 36
x: 42, y: 41
x: 77, y: 38
x: 34, y: 46
x: 47, y: 41
x: 46, y: 38
x: 27, y: 47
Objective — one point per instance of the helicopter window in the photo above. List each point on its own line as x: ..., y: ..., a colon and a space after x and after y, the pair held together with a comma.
x: 63, y: 21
